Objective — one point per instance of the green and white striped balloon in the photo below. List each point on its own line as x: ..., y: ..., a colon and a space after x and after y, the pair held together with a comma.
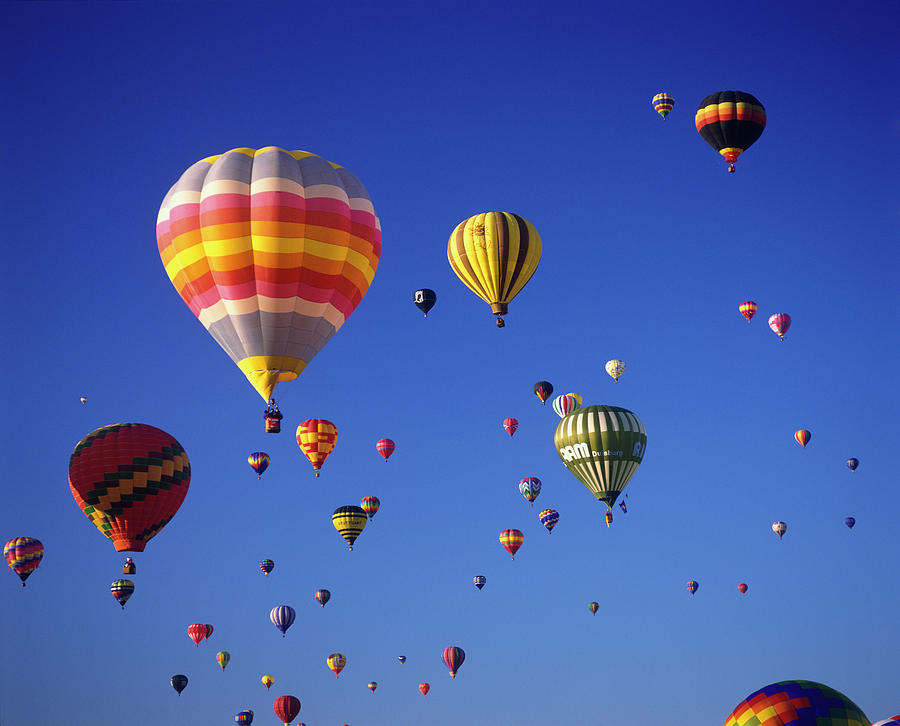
x: 602, y: 446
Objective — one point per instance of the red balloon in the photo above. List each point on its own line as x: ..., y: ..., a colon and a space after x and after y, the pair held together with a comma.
x: 286, y: 708
x: 743, y: 588
x: 199, y: 631
x: 385, y: 447
x: 510, y: 424
x: 424, y: 688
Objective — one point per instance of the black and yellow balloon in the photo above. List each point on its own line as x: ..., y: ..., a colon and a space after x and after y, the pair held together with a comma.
x: 349, y: 521
x: 495, y: 254
x: 603, y: 447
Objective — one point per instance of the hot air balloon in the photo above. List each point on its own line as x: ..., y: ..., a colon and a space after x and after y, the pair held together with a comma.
x: 267, y: 681
x: 244, y: 717
x: 453, y: 658
x: 286, y: 708
x: 282, y: 617
x: 259, y: 461
x: 480, y: 581
x: 603, y: 447
x: 23, y: 555
x: 797, y: 703
x: 530, y: 487
x: 892, y: 721
x: 495, y: 254
x: 370, y: 505
x: 266, y: 566
x: 199, y: 631
x: 742, y: 588
x: 852, y: 463
x: 594, y: 607
x: 730, y: 121
x: 623, y: 507
x: 850, y: 522
x: 129, y: 479
x: 323, y: 596
x: 317, y: 439
x: 336, y: 661
x: 83, y: 400
x: 780, y: 322
x: 179, y: 682
x: 663, y: 103
x: 122, y: 590
x: 564, y: 404
x: 510, y: 424
x: 615, y: 368
x: 747, y: 309
x: 693, y: 586
x: 385, y: 447
x: 511, y: 539
x: 424, y: 688
x: 222, y: 658
x: 543, y: 390
x: 577, y: 397
x: 803, y: 436
x: 549, y: 518
x: 272, y: 250
x: 425, y: 300
x: 401, y: 658
x: 349, y: 521
x: 128, y: 567
x: 372, y: 686
x: 779, y: 528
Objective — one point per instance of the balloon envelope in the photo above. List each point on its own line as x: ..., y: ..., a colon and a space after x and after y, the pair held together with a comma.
x: 779, y: 528
x: 742, y: 588
x: 385, y: 447
x: 372, y: 686
x: 693, y: 586
x: 337, y: 662
x: 730, y: 121
x: 286, y: 708
x: 530, y: 487
x: 425, y: 299
x: 129, y: 479
x: 370, y: 505
x: 663, y: 103
x: 565, y: 404
x: 779, y: 323
x: 259, y: 461
x: 549, y: 518
x: 615, y: 368
x: 23, y: 555
x: 267, y: 681
x: 747, y: 309
x: 424, y: 688
x: 323, y: 596
x: 850, y: 522
x: 282, y: 617
x: 244, y: 718
x: 511, y: 539
x: 594, y: 607
x: 797, y: 703
x: 122, y: 590
x: 453, y: 658
x: 317, y: 438
x: 852, y: 464
x: 349, y: 521
x: 543, y: 390
x: 802, y: 436
x: 272, y: 250
x: 179, y: 682
x: 222, y: 658
x: 510, y: 424
x: 479, y: 581
x: 266, y: 566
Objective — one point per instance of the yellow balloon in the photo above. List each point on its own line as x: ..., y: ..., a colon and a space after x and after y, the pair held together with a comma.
x: 267, y: 681
x: 495, y: 254
x: 349, y: 521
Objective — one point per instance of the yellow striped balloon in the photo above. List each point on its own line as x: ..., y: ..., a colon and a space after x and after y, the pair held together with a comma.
x: 349, y: 521
x: 495, y: 254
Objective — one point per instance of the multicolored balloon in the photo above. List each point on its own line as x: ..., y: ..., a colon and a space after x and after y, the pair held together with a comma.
x: 742, y: 588
x: 259, y: 462
x: 577, y: 397
x: 543, y: 390
x: 266, y: 566
x: 549, y: 518
x: 83, y: 400
x: 510, y: 424
x: 323, y: 596
x: 244, y: 718
x: 337, y: 662
x: 385, y: 447
x: 564, y: 405
x: 615, y: 368
x: 780, y: 322
x: 803, y: 436
x: 530, y: 487
x: 779, y: 528
x: 479, y: 581
x: 349, y: 521
x: 223, y: 657
x: 267, y: 681
x: 286, y: 708
x: 511, y: 539
x: 425, y: 299
x: 122, y: 590
x: 850, y: 522
x: 747, y: 309
x: 372, y: 686
x: 852, y: 463
x: 797, y: 703
x: 317, y: 438
x: 495, y: 254
x: 424, y: 688
x: 593, y: 607
x: 663, y: 103
x: 23, y: 555
x: 401, y: 658
x: 199, y: 631
x: 145, y: 475
x: 282, y: 617
x: 603, y: 446
x: 730, y: 121
x: 693, y: 586
x: 453, y: 658
x: 370, y: 505
x: 272, y: 250
x: 892, y: 721
x: 179, y: 682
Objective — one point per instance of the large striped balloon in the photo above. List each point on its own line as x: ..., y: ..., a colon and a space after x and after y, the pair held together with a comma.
x: 663, y: 103
x: 272, y: 250
x: 349, y: 521
x: 453, y: 657
x: 286, y: 708
x: 603, y: 447
x: 282, y: 617
x: 549, y: 518
x: 730, y: 121
x: 129, y: 479
x: 495, y: 254
x: 797, y: 703
x: 23, y: 555
x: 565, y: 404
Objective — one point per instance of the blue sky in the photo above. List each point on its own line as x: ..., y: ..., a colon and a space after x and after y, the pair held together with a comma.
x: 444, y: 111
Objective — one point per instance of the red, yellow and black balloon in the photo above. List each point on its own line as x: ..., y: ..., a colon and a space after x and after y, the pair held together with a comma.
x: 730, y: 122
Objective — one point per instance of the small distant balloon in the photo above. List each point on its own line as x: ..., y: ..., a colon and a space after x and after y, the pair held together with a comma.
x: 267, y: 681
x: 266, y: 566
x: 742, y: 588
x: 594, y: 607
x: 479, y: 581
x: 372, y: 686
x: 510, y: 424
x: 850, y: 522
x: 693, y: 586
x: 83, y: 400
x: 385, y: 447
x: 780, y: 322
x: 179, y: 682
x: 803, y: 436
x: 530, y: 487
x: 623, y: 507
x: 259, y: 462
x: 222, y: 658
x: 565, y: 404
x: 424, y: 688
x: 23, y: 555
x: 615, y: 368
x: 337, y: 662
x: 425, y: 299
x: 199, y: 631
x: 370, y: 505
x: 779, y: 528
x: 852, y: 463
x: 244, y: 718
x: 543, y: 390
x: 511, y: 539
x: 323, y: 596
x: 663, y: 103
x: 453, y: 658
x: 282, y: 617
x: 349, y: 521
x: 401, y: 658
x: 549, y: 518
x: 747, y: 309
x: 122, y: 590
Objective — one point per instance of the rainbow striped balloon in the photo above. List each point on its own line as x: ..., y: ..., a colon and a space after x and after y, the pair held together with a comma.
x: 797, y: 703
x: 272, y: 250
